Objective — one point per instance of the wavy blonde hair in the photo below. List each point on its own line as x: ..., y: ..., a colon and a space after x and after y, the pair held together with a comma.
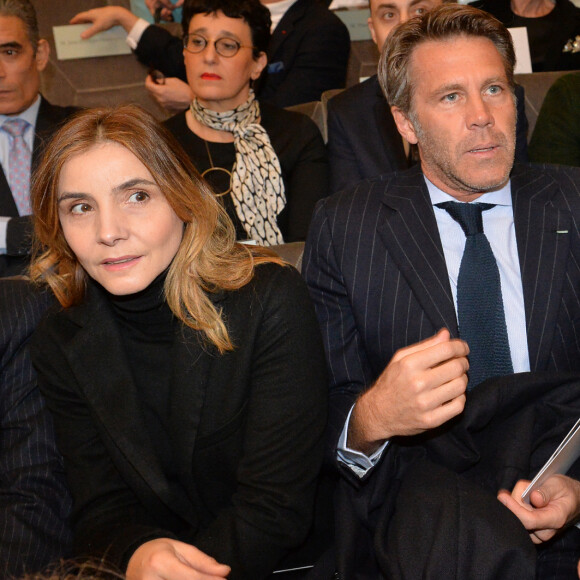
x: 208, y: 259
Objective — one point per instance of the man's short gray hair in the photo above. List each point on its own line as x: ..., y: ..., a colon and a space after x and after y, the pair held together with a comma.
x: 24, y: 10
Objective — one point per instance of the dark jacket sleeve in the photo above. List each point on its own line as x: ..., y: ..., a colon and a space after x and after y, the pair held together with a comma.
x: 34, y: 500
x: 350, y: 370
x: 161, y: 50
x: 343, y: 165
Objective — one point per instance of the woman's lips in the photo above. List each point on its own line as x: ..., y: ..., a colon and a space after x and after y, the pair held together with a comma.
x: 210, y: 77
x: 121, y: 263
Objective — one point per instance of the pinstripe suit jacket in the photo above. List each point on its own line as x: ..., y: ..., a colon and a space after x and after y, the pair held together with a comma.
x: 375, y: 267
x: 34, y: 501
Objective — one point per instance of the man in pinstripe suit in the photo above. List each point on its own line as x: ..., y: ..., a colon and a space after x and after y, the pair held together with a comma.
x: 34, y: 501
x: 382, y: 261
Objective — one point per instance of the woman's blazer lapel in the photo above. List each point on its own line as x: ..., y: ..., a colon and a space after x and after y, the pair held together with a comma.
x: 112, y: 394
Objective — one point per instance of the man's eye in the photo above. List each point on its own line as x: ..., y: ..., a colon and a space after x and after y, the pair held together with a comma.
x: 388, y: 15
x: 80, y: 208
x: 9, y: 52
x: 494, y: 90
x: 139, y: 197
x: 420, y: 11
x: 451, y: 97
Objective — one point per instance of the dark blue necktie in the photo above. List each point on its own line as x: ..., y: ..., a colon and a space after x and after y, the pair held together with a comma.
x: 480, y: 311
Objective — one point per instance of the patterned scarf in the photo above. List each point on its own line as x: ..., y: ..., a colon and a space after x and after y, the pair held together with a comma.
x: 257, y: 186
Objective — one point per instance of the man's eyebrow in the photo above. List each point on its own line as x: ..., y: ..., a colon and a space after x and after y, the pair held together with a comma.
x: 12, y: 44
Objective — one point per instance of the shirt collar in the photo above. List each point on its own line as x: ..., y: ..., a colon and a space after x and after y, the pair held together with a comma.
x: 277, y: 11
x: 502, y: 196
x: 29, y: 115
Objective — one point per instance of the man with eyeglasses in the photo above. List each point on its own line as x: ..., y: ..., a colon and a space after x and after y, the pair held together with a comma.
x: 307, y: 55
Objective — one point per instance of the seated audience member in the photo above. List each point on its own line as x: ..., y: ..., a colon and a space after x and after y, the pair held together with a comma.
x: 552, y: 26
x: 307, y: 55
x: 26, y: 121
x: 420, y: 288
x: 363, y: 140
x: 185, y: 372
x: 556, y: 137
x: 267, y: 165
x: 34, y: 500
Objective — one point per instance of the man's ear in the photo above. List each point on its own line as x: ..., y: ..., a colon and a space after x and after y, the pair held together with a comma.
x: 404, y: 125
x: 42, y: 54
x: 372, y: 31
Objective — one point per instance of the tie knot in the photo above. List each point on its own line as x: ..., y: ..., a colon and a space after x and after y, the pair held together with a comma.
x: 467, y: 215
x: 15, y: 127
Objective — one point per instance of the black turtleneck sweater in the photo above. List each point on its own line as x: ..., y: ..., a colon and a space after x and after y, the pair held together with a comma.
x: 147, y: 328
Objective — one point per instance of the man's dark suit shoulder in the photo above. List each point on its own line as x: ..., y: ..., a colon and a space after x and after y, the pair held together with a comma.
x: 308, y: 55
x: 34, y: 500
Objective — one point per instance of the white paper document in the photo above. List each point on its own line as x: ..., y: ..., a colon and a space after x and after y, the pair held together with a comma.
x: 69, y: 43
x: 562, y: 459
x: 522, y: 48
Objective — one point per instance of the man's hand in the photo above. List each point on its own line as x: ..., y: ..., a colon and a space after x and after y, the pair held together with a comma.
x: 422, y: 387
x: 554, y: 505
x: 105, y: 18
x: 172, y: 560
x: 173, y: 95
x: 166, y: 8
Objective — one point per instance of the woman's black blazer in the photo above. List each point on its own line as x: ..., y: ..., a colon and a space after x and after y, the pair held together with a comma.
x: 247, y: 428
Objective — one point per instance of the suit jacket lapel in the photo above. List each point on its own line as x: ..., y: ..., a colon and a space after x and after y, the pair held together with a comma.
x: 44, y: 127
x: 285, y: 27
x: 543, y: 246
x: 112, y: 393
x: 7, y: 205
x: 411, y: 237
x: 191, y: 370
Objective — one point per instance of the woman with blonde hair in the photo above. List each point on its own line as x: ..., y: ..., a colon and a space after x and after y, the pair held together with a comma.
x: 184, y: 371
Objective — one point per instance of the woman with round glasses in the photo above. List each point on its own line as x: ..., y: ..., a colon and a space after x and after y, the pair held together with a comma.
x: 185, y: 372
x: 267, y: 165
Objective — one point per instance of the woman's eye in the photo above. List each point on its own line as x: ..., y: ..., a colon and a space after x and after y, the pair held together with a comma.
x: 139, y: 197
x: 80, y: 208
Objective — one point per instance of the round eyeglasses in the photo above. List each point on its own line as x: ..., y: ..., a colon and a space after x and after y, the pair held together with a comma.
x: 224, y: 46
